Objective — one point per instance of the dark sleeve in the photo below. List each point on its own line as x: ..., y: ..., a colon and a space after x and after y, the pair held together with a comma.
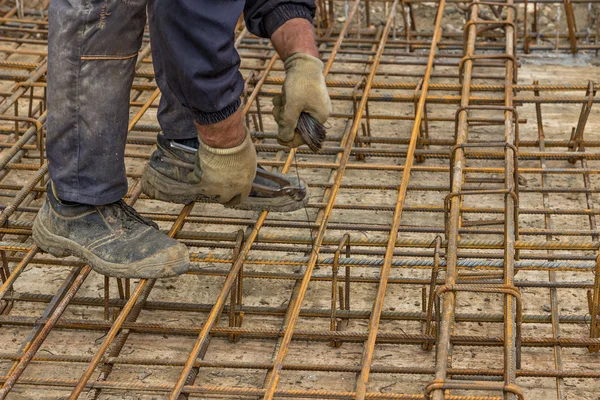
x: 263, y: 17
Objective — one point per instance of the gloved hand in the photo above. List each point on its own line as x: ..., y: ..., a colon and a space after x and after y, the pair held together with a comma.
x: 303, y: 90
x: 225, y: 174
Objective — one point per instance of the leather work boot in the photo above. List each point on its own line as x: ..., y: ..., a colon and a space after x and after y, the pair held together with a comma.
x: 166, y: 178
x: 113, y: 239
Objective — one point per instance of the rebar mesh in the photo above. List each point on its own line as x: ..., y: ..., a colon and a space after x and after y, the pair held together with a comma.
x: 449, y: 249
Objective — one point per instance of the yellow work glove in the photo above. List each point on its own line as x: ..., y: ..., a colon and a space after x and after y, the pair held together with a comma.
x: 225, y: 175
x: 304, y: 90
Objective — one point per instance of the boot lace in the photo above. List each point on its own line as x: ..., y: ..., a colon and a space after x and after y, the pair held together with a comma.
x: 129, y: 216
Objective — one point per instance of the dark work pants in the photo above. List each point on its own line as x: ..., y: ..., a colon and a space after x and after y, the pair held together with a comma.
x: 92, y: 50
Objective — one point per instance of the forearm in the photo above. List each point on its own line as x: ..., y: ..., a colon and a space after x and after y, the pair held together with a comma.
x: 295, y: 36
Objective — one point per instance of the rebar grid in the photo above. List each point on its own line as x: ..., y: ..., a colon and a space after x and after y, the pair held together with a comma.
x: 449, y: 249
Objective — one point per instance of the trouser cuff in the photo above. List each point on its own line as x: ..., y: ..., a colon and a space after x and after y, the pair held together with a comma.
x: 208, y: 118
x: 100, y: 199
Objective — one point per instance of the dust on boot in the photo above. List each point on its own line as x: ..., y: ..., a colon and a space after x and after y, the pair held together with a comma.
x: 113, y: 239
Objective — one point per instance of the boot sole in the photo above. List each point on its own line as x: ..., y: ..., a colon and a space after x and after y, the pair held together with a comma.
x: 159, y: 187
x: 60, y: 247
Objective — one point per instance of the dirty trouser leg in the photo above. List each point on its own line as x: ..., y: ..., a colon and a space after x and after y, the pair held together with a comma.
x: 195, y: 61
x: 92, y: 50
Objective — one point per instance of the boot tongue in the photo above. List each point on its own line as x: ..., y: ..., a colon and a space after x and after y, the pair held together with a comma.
x: 131, y: 215
x: 193, y: 142
x: 260, y: 180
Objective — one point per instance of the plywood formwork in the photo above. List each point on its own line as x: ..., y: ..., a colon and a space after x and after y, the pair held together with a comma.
x: 449, y: 249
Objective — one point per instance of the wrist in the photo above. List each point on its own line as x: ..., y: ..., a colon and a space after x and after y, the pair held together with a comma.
x: 304, y: 62
x: 224, y: 134
x: 295, y: 36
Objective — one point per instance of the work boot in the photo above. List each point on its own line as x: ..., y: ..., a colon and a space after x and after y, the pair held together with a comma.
x: 113, y: 239
x: 166, y: 178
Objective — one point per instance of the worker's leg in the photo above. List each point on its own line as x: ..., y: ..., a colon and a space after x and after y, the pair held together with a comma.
x: 195, y: 43
x: 92, y: 50
x: 195, y: 40
x: 93, y: 46
x: 200, y: 51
